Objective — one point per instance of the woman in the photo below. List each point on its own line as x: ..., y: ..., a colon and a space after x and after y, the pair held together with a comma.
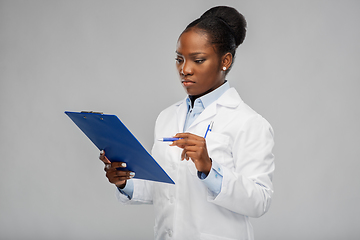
x: 222, y: 163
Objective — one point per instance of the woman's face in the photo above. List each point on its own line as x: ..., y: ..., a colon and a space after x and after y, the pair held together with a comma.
x: 198, y: 64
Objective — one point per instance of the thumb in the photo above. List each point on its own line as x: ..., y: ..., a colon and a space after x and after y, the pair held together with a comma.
x: 103, y: 157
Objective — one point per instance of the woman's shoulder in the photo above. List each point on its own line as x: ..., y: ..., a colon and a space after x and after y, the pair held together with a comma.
x: 172, y: 109
x: 235, y: 108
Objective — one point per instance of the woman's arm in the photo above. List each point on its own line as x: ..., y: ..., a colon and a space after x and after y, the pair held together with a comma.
x: 246, y: 187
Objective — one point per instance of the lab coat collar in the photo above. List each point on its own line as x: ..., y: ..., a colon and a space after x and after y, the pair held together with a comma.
x: 230, y: 99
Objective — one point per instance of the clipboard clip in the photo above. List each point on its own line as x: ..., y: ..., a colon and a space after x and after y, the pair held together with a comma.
x: 92, y: 112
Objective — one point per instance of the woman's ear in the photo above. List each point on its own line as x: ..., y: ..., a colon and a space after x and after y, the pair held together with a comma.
x: 226, y: 61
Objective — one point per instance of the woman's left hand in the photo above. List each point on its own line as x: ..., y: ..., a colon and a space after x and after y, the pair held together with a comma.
x: 194, y: 147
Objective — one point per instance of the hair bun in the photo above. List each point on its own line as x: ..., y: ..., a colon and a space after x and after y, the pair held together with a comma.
x: 232, y: 18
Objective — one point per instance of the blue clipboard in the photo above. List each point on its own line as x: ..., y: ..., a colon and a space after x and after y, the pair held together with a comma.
x: 108, y: 133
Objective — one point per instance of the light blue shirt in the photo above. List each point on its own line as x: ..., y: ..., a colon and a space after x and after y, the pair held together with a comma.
x: 214, y: 179
x: 201, y: 103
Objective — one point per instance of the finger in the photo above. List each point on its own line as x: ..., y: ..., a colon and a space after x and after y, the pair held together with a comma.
x: 107, y: 167
x: 186, y: 155
x: 114, y: 166
x: 118, y: 180
x: 194, y: 156
x: 118, y: 165
x: 196, y: 152
x: 119, y: 176
x: 186, y: 142
x: 188, y: 135
x: 197, y: 149
x: 183, y: 154
x: 192, y: 139
x: 103, y: 158
x: 190, y: 154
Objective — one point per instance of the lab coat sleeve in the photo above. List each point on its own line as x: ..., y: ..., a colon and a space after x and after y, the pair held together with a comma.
x: 142, y: 193
x: 247, y: 187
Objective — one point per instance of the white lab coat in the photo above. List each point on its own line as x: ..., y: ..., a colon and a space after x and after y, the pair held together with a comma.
x: 241, y: 141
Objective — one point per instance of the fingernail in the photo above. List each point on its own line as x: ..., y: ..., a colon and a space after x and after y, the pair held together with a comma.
x: 123, y: 164
x: 132, y: 174
x: 102, y: 152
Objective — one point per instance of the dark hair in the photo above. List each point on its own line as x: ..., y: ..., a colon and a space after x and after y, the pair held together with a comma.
x: 225, y: 26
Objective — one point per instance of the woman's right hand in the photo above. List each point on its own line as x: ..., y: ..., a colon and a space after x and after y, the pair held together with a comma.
x: 115, y: 176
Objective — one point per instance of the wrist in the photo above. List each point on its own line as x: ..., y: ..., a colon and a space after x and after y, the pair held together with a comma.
x: 207, y: 168
x: 121, y: 185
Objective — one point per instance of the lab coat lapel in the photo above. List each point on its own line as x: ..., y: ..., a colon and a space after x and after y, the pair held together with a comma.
x: 181, y: 112
x: 229, y: 99
x: 208, y: 112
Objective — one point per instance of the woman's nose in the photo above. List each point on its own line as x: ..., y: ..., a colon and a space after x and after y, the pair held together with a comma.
x: 186, y: 69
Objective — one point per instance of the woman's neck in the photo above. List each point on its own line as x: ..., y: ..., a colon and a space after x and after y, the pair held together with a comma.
x: 194, y: 97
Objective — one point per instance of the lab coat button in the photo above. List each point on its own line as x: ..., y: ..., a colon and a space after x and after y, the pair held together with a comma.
x: 170, y: 233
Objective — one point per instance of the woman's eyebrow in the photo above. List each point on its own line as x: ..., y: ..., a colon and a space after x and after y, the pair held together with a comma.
x: 191, y: 54
x: 196, y: 53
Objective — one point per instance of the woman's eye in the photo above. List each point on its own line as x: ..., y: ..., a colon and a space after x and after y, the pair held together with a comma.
x: 199, y: 60
x: 178, y: 60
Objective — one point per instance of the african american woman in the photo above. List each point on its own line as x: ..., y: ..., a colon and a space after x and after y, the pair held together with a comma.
x: 222, y: 164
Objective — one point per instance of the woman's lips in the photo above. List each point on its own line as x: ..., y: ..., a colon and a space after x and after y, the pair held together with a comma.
x: 187, y: 83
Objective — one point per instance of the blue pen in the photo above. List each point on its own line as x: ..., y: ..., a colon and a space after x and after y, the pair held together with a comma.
x: 170, y: 139
x: 209, y: 128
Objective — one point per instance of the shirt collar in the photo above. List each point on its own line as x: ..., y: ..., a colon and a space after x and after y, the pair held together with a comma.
x: 210, y: 97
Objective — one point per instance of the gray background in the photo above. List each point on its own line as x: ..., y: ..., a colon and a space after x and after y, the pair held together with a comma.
x: 298, y: 67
